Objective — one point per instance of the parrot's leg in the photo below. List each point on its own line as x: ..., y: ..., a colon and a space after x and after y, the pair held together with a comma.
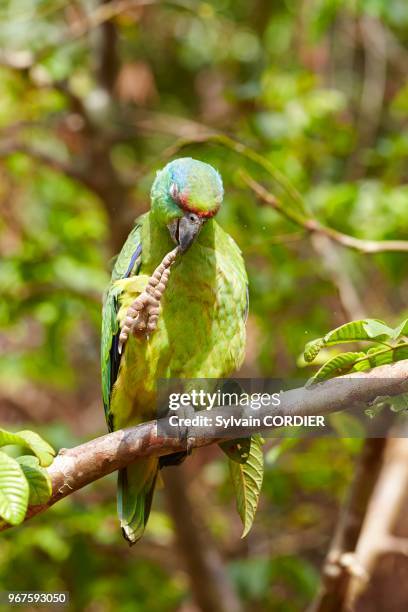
x: 143, y: 314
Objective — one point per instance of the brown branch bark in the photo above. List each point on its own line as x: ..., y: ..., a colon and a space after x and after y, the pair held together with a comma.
x: 74, y: 468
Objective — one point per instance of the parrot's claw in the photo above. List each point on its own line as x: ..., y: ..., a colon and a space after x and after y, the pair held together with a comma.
x: 142, y: 316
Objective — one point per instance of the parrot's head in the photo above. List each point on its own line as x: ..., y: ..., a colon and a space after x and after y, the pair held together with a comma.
x: 184, y: 195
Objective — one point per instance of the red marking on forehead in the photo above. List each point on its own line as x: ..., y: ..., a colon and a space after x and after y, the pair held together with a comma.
x: 184, y: 203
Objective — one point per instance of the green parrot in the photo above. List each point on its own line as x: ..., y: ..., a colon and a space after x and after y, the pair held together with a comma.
x: 199, y: 331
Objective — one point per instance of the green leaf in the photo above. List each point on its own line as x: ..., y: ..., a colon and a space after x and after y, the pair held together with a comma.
x: 7, y: 437
x: 39, y: 447
x: 401, y: 330
x: 247, y: 481
x: 237, y: 450
x: 338, y: 365
x: 359, y: 362
x: 30, y: 440
x: 312, y: 349
x: 377, y: 329
x: 38, y: 480
x: 377, y: 356
x: 355, y: 331
x: 14, y: 490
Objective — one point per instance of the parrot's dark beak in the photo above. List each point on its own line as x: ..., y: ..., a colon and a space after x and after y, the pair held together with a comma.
x: 185, y: 230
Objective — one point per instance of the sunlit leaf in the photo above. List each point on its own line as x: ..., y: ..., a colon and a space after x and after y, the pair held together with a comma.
x: 30, y: 440
x: 338, y: 365
x: 7, y: 437
x: 401, y: 330
x: 39, y: 447
x: 377, y: 329
x: 378, y: 356
x: 312, y: 349
x: 355, y: 331
x: 38, y: 480
x: 14, y: 490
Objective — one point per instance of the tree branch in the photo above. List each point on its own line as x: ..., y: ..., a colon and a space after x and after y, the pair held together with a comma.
x: 313, y: 226
x: 74, y: 468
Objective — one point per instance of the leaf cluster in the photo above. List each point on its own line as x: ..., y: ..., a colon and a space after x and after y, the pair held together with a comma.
x: 23, y: 480
x: 386, y: 345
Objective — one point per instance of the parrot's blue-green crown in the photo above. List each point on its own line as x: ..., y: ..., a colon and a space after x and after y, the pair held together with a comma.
x: 187, y: 184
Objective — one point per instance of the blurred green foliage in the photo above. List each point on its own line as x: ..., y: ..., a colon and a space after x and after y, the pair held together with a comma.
x: 294, y: 80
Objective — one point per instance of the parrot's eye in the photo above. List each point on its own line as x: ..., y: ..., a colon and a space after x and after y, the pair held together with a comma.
x: 193, y: 218
x: 174, y: 192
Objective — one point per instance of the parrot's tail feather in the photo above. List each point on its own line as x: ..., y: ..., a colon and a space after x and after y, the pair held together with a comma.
x: 136, y: 485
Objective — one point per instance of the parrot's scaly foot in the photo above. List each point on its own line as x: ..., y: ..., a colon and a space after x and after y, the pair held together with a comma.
x: 142, y: 316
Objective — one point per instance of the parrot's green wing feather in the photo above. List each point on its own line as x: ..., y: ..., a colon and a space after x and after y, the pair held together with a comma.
x: 127, y: 264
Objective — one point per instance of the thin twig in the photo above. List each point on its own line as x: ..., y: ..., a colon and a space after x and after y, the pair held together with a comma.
x: 313, y: 226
